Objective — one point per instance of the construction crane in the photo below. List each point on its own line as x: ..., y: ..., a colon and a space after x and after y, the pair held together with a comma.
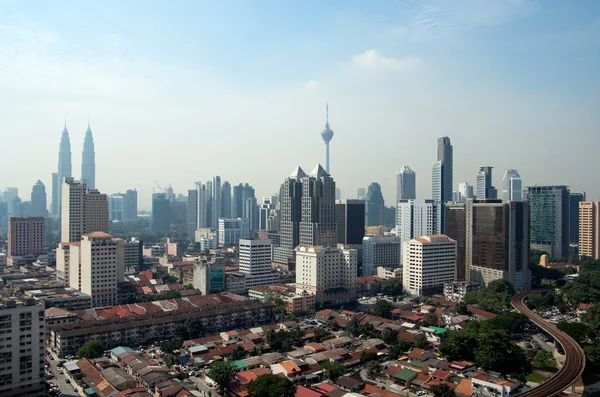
x: 161, y: 189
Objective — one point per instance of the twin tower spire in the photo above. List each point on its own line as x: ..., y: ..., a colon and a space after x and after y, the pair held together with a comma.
x: 88, y: 158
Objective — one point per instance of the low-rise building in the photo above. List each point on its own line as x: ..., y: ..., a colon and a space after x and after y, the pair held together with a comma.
x: 456, y: 290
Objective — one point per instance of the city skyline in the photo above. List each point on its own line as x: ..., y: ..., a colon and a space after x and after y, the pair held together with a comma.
x: 139, y: 89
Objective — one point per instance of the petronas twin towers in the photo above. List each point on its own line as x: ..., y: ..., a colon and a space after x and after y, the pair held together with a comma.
x: 88, y: 166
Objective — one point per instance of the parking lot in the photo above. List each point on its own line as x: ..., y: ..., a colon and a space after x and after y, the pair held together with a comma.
x: 60, y: 384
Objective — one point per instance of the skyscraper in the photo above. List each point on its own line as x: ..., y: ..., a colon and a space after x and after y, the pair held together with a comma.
x: 574, y: 200
x: 203, y: 212
x: 442, y: 177
x: 350, y: 219
x: 130, y: 207
x: 25, y: 239
x: 494, y: 239
x: 255, y: 262
x: 512, y: 186
x: 374, y: 205
x: 415, y: 219
x: 38, y: 200
x: 589, y: 229
x: 116, y: 204
x: 64, y: 171
x: 83, y: 211
x: 192, y: 213
x: 317, y: 225
x: 361, y: 193
x: 216, y: 201
x: 406, y: 184
x: 226, y: 200
x: 327, y: 135
x: 290, y: 197
x: 88, y: 160
x: 485, y: 189
x: 429, y: 262
x: 8, y: 196
x: 549, y: 219
x: 160, y: 212
x: 237, y: 202
x: 466, y: 191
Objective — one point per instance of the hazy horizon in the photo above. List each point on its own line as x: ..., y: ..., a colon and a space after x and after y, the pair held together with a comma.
x: 181, y: 92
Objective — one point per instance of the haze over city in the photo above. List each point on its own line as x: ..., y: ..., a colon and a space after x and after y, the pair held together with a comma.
x: 182, y: 92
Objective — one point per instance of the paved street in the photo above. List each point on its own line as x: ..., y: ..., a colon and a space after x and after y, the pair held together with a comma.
x: 65, y: 388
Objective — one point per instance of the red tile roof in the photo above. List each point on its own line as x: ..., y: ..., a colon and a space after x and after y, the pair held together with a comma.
x: 302, y: 391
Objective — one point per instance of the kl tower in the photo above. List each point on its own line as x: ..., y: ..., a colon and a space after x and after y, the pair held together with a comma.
x: 327, y: 134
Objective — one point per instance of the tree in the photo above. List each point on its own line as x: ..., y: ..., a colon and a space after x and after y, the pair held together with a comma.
x: 382, y: 308
x: 352, y: 326
x: 389, y: 336
x: 365, y: 357
x: 92, y: 349
x: 592, y: 317
x: 461, y: 308
x: 429, y: 320
x: 399, y: 349
x: 512, y: 322
x: 332, y: 324
x: 321, y: 335
x: 501, y: 286
x: 271, y: 386
x: 333, y: 369
x: 544, y: 360
x: 222, y: 372
x: 367, y: 330
x: 194, y: 327
x: 238, y: 353
x: 575, y: 293
x: 421, y: 341
x: 442, y: 390
x: 592, y: 352
x: 496, y: 352
x: 280, y: 307
x: 579, y: 331
x: 392, y: 287
x: 171, y: 345
x: 168, y: 359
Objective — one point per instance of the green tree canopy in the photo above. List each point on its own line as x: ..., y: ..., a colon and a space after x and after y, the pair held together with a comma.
x: 579, y: 331
x: 399, y: 349
x: 592, y: 352
x: 421, y: 341
x: 352, y: 326
x: 271, y: 386
x: 592, y: 317
x: 442, y: 390
x: 512, y: 322
x: 367, y: 330
x: 365, y: 357
x: 222, y: 372
x: 544, y: 360
x: 461, y: 308
x: 389, y: 336
x: 382, y: 308
x: 495, y: 297
x: 333, y: 369
x: 576, y: 293
x: 92, y: 349
x: 322, y: 335
x: 171, y: 345
x: 392, y: 287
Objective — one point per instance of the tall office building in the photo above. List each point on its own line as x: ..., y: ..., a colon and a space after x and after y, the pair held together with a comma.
x: 290, y: 197
x: 329, y: 273
x: 494, y: 239
x: 549, y: 206
x: 22, y: 355
x: 8, y: 196
x: 317, y: 224
x: 192, y: 213
x: 97, y: 266
x: 374, y: 205
x: 406, y: 188
x: 160, y: 213
x: 589, y: 229
x: 226, y: 200
x: 350, y: 219
x: 251, y: 212
x: 485, y: 188
x: 361, y: 193
x: 255, y: 262
x: 116, y: 204
x: 414, y: 219
x: 64, y: 171
x: 429, y: 262
x: 442, y: 177
x: 574, y: 200
x: 130, y: 205
x: 216, y: 201
x: 380, y: 251
x: 512, y: 186
x: 88, y: 160
x: 232, y: 230
x: 264, y: 213
x: 237, y: 202
x: 83, y: 211
x: 466, y: 191
x: 327, y: 135
x: 25, y: 239
x: 54, y: 207
x: 38, y: 200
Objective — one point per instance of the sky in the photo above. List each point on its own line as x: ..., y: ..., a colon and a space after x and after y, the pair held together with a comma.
x: 181, y: 91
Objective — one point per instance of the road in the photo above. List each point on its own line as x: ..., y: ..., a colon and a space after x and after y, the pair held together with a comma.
x: 65, y: 388
x: 574, y: 356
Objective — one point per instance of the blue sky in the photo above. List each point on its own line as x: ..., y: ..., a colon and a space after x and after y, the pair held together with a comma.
x: 183, y: 90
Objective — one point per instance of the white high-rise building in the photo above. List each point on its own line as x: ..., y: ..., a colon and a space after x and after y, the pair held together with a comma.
x: 415, y: 218
x: 380, y: 251
x: 512, y: 186
x: 465, y: 190
x: 328, y: 273
x: 116, y: 207
x: 232, y: 230
x: 216, y: 200
x: 97, y: 266
x: 255, y: 261
x: 406, y: 187
x: 429, y: 262
x: 22, y: 348
x: 82, y: 211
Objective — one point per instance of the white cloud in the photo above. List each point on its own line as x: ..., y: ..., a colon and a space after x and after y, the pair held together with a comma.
x: 372, y: 59
x: 311, y: 86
